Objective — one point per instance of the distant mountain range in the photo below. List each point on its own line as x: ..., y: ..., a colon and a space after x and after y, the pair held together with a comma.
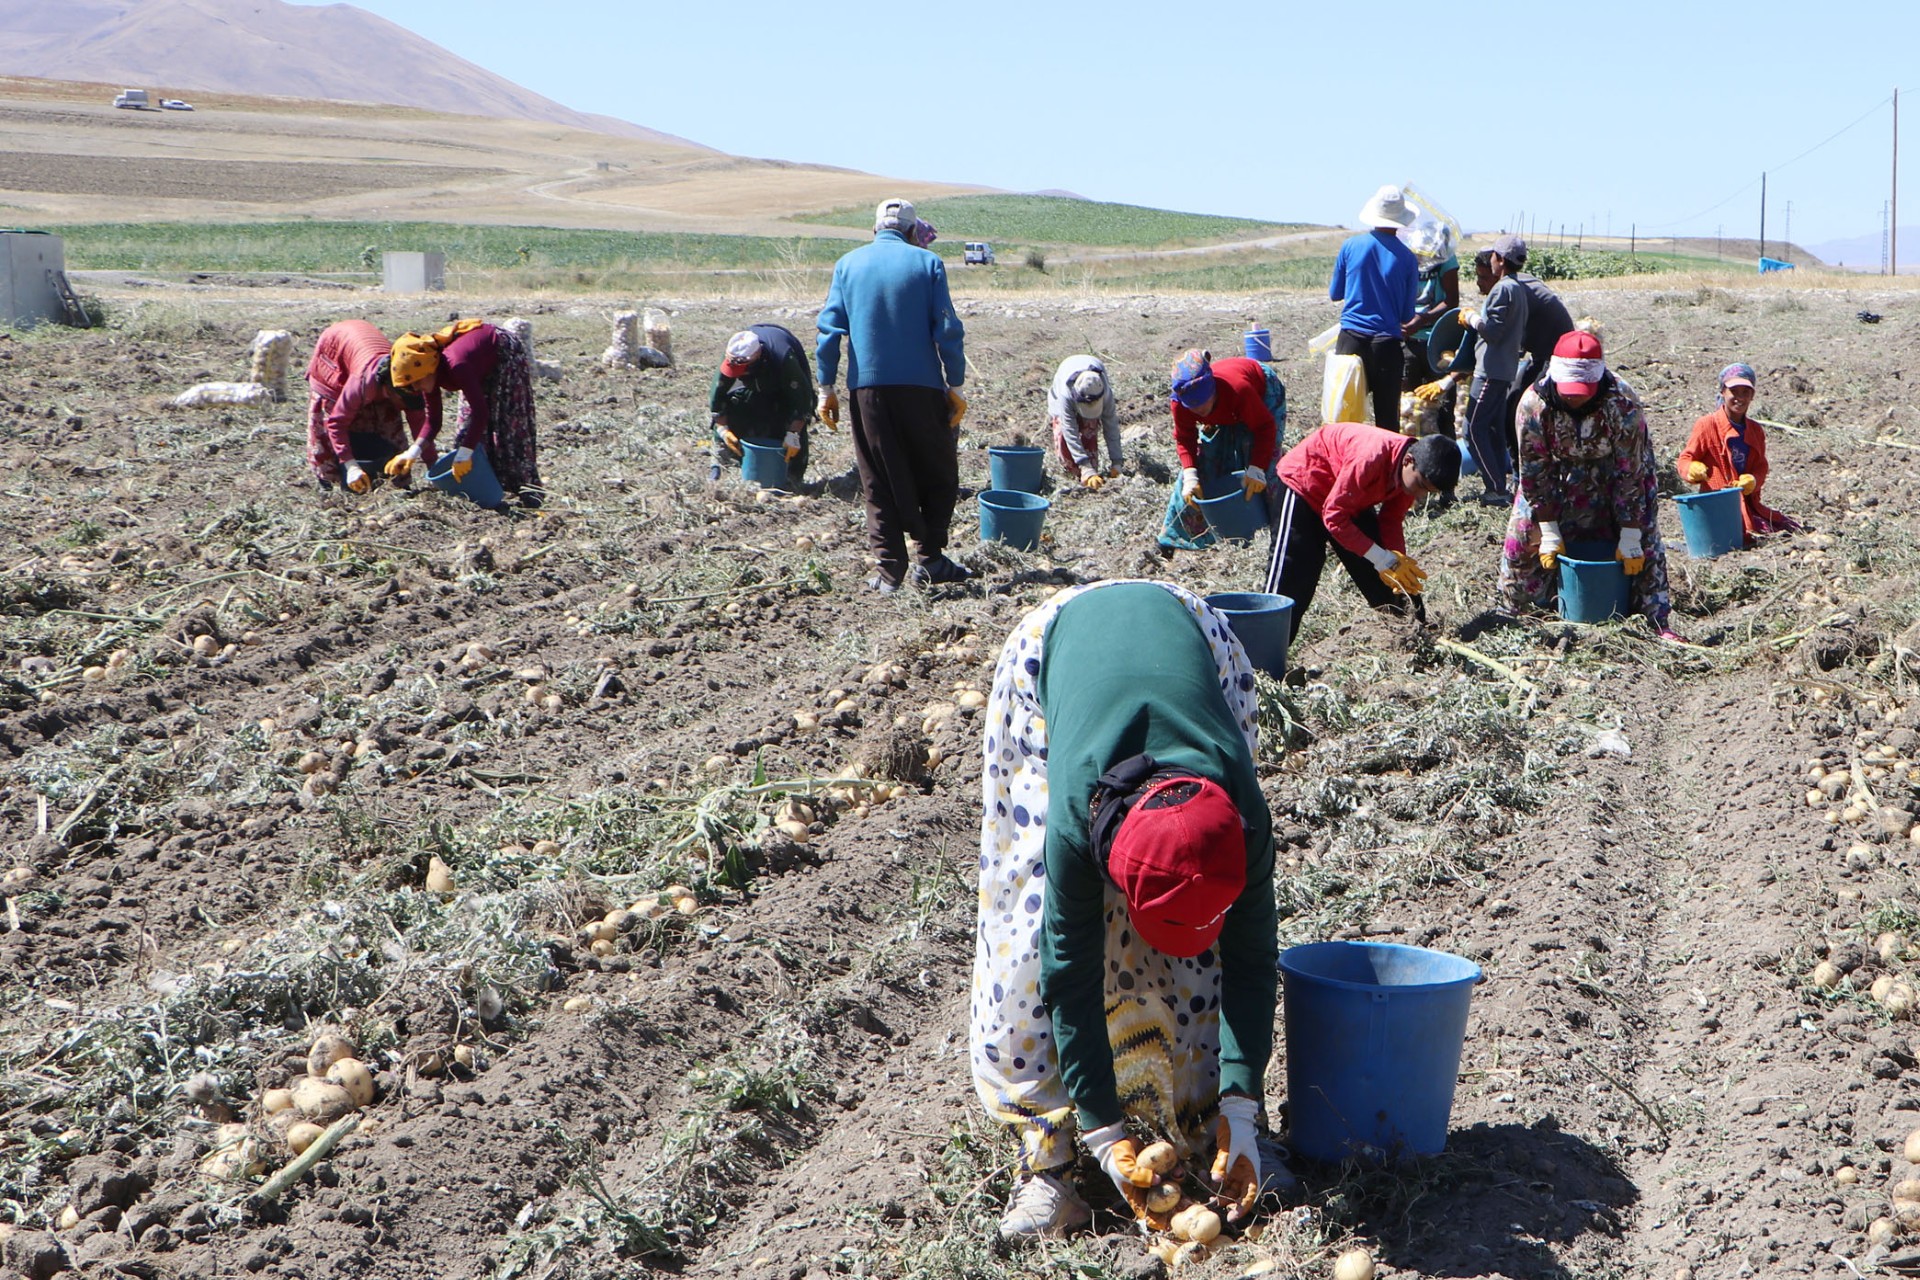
x: 333, y: 51
x: 1863, y: 253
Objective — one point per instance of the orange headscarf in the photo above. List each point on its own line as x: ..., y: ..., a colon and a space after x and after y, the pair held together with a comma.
x: 417, y: 355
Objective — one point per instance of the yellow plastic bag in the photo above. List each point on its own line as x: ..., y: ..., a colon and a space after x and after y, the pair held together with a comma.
x: 1343, y: 392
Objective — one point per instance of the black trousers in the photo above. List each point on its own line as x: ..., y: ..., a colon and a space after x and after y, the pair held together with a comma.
x: 1300, y: 543
x: 1384, y: 359
x: 909, y: 469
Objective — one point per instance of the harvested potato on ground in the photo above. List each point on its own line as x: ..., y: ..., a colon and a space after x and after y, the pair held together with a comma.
x: 352, y: 1075
x: 320, y: 1100
x: 1197, y: 1223
x: 1164, y: 1198
x: 328, y: 1049
x: 1826, y: 975
x: 274, y: 1101
x: 1354, y: 1264
x: 439, y: 876
x: 302, y: 1135
x: 1158, y: 1157
x: 1882, y: 1231
x: 1912, y: 1148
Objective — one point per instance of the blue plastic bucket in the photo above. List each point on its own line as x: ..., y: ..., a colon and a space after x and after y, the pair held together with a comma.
x: 1374, y: 1034
x: 1468, y: 466
x: 1233, y: 514
x: 1449, y: 335
x: 1012, y: 517
x: 1711, y: 522
x: 481, y: 485
x: 1258, y: 344
x: 1019, y: 467
x: 764, y: 464
x: 1593, y: 586
x: 1262, y: 623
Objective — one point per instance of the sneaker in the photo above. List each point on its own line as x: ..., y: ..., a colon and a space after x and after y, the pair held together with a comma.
x: 1275, y: 1178
x: 940, y: 571
x: 882, y: 584
x: 1496, y: 498
x: 1042, y: 1205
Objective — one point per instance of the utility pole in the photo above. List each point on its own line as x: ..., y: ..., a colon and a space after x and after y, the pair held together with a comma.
x: 1763, y: 215
x: 1717, y: 229
x: 1893, y: 221
x: 1787, y: 252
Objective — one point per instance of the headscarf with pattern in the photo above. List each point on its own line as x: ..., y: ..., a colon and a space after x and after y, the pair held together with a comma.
x: 416, y: 356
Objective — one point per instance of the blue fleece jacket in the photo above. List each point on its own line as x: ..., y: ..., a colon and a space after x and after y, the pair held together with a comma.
x: 889, y: 300
x: 1375, y: 278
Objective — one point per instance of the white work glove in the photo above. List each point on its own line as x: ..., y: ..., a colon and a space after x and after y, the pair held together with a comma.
x: 1630, y: 555
x: 1253, y: 481
x: 1236, y: 1160
x: 462, y: 463
x: 356, y: 476
x: 1116, y: 1154
x: 1189, y: 484
x: 1381, y: 558
x: 793, y: 445
x: 1551, y: 543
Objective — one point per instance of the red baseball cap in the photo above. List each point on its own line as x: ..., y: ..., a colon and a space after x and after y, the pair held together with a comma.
x: 1578, y: 364
x: 1180, y: 858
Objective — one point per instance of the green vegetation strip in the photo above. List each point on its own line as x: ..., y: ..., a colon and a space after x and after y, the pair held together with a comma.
x: 356, y: 246
x: 1057, y: 220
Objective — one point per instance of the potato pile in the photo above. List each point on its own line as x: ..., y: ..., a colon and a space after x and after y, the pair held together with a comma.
x: 602, y: 938
x: 1903, y: 1219
x: 1872, y: 786
x: 1890, y: 989
x: 1186, y: 1227
x: 336, y: 1084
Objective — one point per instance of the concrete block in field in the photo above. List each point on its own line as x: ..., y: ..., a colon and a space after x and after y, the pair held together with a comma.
x: 413, y: 272
x: 27, y: 292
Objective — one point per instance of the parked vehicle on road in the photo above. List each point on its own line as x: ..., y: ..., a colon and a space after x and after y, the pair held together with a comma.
x: 978, y: 253
x: 132, y: 99
x: 174, y: 104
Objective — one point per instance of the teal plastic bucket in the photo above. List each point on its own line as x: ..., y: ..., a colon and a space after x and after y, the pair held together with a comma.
x: 764, y: 464
x: 1258, y: 344
x: 481, y: 485
x: 1374, y: 1034
x: 1262, y: 623
x: 1711, y: 522
x: 1018, y: 467
x: 1449, y: 335
x: 1012, y: 517
x: 1593, y: 586
x: 1233, y: 514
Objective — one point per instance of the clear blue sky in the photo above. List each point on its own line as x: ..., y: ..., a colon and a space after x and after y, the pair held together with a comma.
x: 1662, y: 113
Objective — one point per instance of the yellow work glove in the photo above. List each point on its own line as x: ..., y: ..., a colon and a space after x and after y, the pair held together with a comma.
x: 1189, y: 485
x: 1468, y: 315
x: 1696, y: 473
x: 462, y: 463
x: 1746, y: 485
x: 1236, y: 1160
x: 1551, y: 544
x: 357, y: 476
x: 1253, y: 481
x: 792, y: 443
x: 730, y: 440
x: 1093, y: 480
x: 1426, y: 393
x: 1118, y: 1157
x: 956, y: 407
x: 400, y: 465
x: 826, y: 407
x: 1629, y: 553
x: 1405, y: 576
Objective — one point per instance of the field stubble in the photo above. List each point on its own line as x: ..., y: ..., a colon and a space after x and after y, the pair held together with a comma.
x: 691, y: 991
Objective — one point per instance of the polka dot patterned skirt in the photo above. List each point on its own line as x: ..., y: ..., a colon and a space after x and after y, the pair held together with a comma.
x: 1163, y: 1012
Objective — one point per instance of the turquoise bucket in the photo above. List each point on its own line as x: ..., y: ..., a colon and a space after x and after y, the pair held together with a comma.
x: 1012, y: 517
x: 1593, y: 586
x: 1258, y: 344
x: 1262, y: 623
x: 1234, y: 515
x: 1019, y: 467
x: 481, y: 485
x: 1450, y: 335
x: 764, y: 464
x: 1711, y: 522
x: 1374, y: 1035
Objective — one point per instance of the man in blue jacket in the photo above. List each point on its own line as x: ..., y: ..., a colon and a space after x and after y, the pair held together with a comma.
x: 889, y: 302
x: 1375, y: 281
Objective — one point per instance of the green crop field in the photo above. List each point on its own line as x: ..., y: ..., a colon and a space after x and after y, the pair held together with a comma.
x: 356, y: 246
x: 1060, y: 220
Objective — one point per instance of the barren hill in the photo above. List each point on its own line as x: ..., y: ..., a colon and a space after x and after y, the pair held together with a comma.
x: 334, y: 52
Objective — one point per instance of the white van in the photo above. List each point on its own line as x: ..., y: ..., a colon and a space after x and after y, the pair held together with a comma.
x: 978, y: 253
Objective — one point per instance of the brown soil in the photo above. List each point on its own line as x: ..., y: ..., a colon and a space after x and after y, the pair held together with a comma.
x: 776, y: 1084
x: 242, y: 181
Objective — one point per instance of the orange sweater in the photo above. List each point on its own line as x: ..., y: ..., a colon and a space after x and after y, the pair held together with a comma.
x: 1708, y: 444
